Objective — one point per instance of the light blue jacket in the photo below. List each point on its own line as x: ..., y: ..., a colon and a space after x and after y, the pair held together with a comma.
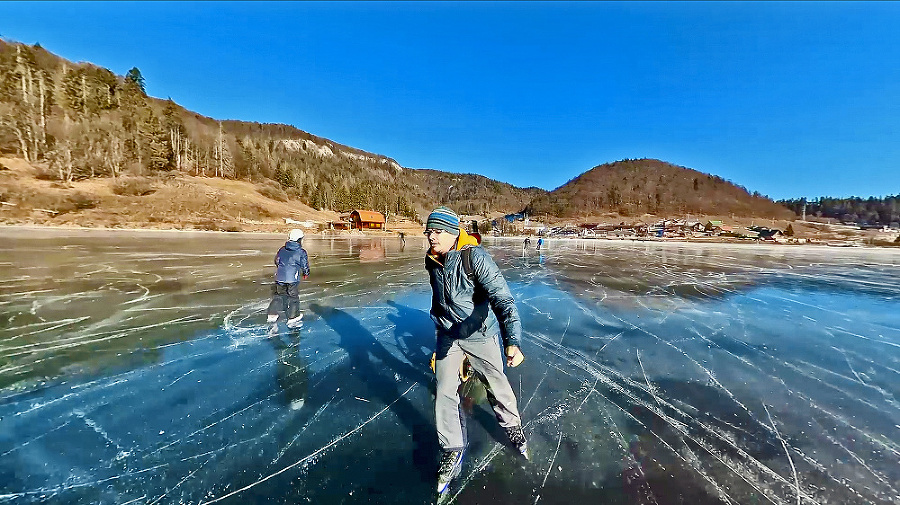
x: 461, y: 306
x: 291, y: 260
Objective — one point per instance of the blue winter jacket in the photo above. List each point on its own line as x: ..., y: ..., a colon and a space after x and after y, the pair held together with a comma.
x: 461, y: 306
x: 291, y: 261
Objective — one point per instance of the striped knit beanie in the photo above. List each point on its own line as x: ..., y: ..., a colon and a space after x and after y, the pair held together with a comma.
x: 443, y: 219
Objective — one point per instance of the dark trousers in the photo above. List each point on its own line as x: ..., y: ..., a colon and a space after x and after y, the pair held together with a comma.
x: 285, y: 299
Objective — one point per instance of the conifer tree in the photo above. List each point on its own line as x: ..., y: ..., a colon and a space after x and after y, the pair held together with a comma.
x: 134, y: 75
x: 133, y: 106
x: 156, y: 143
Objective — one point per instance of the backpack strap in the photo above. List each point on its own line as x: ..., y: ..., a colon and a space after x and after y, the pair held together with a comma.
x: 480, y: 295
x: 466, y: 256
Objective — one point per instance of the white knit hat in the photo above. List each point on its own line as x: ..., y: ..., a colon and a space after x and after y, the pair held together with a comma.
x: 295, y: 235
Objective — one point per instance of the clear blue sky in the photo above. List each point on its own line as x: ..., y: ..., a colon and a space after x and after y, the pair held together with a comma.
x: 788, y: 99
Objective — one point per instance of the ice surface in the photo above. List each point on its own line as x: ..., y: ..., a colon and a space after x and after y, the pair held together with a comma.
x: 138, y: 368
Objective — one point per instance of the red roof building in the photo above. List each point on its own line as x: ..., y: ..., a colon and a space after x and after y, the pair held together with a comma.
x: 367, y: 220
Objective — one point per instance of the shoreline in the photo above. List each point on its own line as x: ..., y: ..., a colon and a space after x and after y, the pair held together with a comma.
x: 820, y: 246
x: 393, y: 234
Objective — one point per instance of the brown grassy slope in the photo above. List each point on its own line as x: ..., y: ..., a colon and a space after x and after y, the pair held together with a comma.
x: 635, y: 187
x: 179, y: 201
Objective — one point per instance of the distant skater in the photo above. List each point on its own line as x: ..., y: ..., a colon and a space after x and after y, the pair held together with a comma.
x: 527, y: 243
x: 291, y: 262
x: 540, y: 243
x: 402, y: 238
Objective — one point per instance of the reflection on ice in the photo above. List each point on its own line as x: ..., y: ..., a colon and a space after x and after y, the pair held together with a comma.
x: 140, y: 369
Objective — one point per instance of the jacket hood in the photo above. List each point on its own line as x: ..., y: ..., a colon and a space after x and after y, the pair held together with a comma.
x: 291, y: 245
x: 465, y: 240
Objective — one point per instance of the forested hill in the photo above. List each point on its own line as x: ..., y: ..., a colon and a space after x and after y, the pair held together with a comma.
x: 636, y: 187
x: 77, y: 121
x: 471, y: 193
x: 864, y: 211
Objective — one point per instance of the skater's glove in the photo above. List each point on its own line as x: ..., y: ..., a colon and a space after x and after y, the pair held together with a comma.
x: 305, y: 277
x: 514, y: 356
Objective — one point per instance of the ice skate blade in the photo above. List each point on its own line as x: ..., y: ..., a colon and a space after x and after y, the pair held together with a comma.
x: 524, y: 452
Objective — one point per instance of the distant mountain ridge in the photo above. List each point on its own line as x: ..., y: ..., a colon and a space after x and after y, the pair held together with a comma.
x: 294, y: 138
x: 78, y: 121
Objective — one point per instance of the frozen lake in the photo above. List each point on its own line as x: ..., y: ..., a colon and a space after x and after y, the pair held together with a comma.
x: 135, y: 367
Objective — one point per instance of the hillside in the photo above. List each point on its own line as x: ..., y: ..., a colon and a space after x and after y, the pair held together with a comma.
x: 76, y: 121
x: 76, y: 125
x: 173, y: 201
x: 648, y: 186
x: 471, y: 193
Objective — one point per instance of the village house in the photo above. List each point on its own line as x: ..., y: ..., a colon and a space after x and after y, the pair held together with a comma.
x: 713, y: 227
x: 533, y: 227
x: 696, y: 227
x: 770, y: 235
x: 343, y: 223
x: 603, y: 230
x: 587, y: 229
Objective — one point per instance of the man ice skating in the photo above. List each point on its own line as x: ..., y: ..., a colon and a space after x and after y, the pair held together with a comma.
x: 471, y: 305
x: 291, y: 262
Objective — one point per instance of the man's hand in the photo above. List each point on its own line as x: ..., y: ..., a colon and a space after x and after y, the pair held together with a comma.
x: 305, y: 277
x: 514, y: 356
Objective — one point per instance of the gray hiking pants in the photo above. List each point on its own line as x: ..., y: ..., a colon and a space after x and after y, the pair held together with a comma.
x: 486, y: 357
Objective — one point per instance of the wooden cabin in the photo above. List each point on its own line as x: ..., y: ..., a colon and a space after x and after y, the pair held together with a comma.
x: 367, y: 220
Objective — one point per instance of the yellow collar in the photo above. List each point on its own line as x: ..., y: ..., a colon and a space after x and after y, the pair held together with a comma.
x: 464, y: 240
